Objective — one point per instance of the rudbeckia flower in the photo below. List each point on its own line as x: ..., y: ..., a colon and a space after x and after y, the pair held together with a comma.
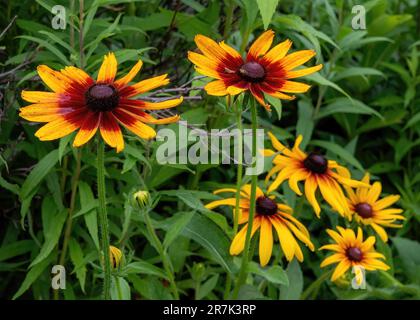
x: 115, y: 256
x: 78, y: 102
x: 368, y: 209
x: 264, y: 70
x: 268, y: 214
x: 350, y: 250
x: 313, y: 168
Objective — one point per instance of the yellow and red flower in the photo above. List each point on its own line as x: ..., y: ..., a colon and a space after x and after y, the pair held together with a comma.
x: 368, y: 209
x: 80, y: 102
x: 263, y: 70
x: 268, y: 214
x: 350, y: 251
x: 315, y: 169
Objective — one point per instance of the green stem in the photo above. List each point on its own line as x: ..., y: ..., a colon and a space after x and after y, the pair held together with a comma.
x: 69, y: 223
x: 315, y: 285
x: 239, y: 169
x: 245, y: 258
x: 226, y: 294
x: 229, y: 17
x: 81, y: 38
x: 103, y: 219
x: 164, y: 257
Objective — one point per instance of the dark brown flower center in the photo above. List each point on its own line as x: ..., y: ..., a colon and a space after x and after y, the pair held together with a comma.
x: 252, y: 72
x: 364, y: 210
x: 316, y: 163
x: 265, y: 206
x: 102, y: 97
x: 354, y: 254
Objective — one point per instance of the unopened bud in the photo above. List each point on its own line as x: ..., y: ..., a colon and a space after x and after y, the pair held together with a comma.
x: 142, y: 199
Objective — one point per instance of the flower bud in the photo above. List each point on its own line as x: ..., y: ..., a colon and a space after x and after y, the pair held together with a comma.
x: 142, y: 199
x: 115, y: 257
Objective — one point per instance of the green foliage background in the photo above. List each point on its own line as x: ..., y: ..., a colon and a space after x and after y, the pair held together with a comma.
x: 363, y: 110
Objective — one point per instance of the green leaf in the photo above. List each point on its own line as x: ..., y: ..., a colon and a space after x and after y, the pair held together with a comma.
x: 305, y: 123
x: 38, y: 173
x: 390, y: 117
x: 144, y: 267
x: 211, y: 237
x: 267, y: 9
x: 14, y: 188
x: 357, y: 71
x: 63, y: 145
x: 52, y: 234
x: 339, y: 151
x: 207, y: 287
x: 318, y: 78
x: 32, y: 275
x: 76, y: 256
x: 120, y: 289
x: 276, y: 103
x: 177, y: 225
x: 15, y: 249
x: 412, y: 121
x: 409, y: 251
x: 49, y: 47
x: 274, y: 274
x: 345, y: 105
x: 89, y: 204
x: 295, y: 287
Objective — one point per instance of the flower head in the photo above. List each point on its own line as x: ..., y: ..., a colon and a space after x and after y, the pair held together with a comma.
x: 350, y: 250
x: 78, y: 102
x: 268, y: 214
x: 368, y: 209
x: 141, y: 199
x: 313, y: 168
x: 115, y: 257
x: 262, y: 71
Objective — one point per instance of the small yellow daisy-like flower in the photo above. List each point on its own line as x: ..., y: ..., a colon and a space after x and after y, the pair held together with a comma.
x: 350, y: 250
x: 315, y: 169
x: 81, y: 103
x: 115, y: 256
x: 268, y: 214
x: 264, y: 70
x: 368, y: 209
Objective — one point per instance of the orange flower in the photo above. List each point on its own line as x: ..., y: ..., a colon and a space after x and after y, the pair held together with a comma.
x: 263, y: 70
x: 315, y: 170
x: 350, y: 251
x: 79, y: 102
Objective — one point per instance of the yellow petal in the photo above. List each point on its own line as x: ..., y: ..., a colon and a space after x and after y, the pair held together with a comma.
x: 303, y: 72
x: 129, y: 76
x: 341, y: 268
x: 266, y: 241
x: 108, y: 69
x: 310, y: 188
x: 216, y: 88
x: 261, y: 45
x: 278, y: 52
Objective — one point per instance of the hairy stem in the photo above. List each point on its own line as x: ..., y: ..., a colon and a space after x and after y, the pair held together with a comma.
x: 103, y: 220
x: 239, y: 169
x: 245, y: 258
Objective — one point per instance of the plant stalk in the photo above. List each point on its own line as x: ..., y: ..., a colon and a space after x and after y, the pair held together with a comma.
x: 245, y: 258
x: 103, y: 219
